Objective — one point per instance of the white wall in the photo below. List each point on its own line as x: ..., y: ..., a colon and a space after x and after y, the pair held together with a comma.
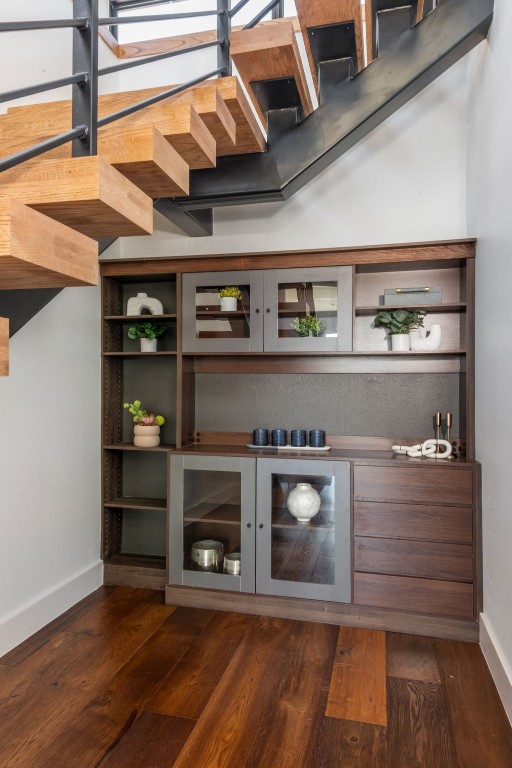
x: 405, y: 182
x: 50, y: 465
x: 489, y: 217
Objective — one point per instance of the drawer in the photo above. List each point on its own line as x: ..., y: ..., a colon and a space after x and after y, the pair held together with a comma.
x: 413, y: 521
x: 404, y: 593
x: 425, y: 559
x: 426, y: 484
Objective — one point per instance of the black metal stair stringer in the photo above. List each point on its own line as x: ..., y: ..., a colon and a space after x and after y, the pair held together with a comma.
x: 348, y: 112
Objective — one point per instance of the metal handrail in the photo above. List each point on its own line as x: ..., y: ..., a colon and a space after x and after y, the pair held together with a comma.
x: 85, y: 75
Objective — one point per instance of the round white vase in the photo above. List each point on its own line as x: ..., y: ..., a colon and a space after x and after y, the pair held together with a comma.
x: 303, y: 502
x: 228, y: 303
x: 400, y: 342
x: 148, y: 345
x: 146, y: 437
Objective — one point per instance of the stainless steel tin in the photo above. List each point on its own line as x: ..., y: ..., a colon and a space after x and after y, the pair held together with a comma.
x: 207, y: 554
x: 232, y: 563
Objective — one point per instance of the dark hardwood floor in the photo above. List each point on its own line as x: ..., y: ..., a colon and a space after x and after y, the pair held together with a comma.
x: 124, y: 681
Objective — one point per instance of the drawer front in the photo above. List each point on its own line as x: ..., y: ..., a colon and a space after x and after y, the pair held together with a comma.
x: 427, y: 484
x: 425, y: 559
x: 413, y: 521
x: 404, y: 593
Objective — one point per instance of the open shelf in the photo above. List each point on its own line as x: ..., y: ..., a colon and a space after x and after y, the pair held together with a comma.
x: 140, y: 354
x: 137, y: 561
x: 133, y: 502
x: 226, y: 514
x: 373, y: 310
x: 140, y: 318
x: 131, y: 447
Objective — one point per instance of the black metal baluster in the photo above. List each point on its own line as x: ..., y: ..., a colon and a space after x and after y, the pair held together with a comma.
x: 224, y: 33
x: 85, y: 95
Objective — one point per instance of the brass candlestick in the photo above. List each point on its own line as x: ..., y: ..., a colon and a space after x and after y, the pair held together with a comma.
x: 438, y: 418
x: 448, y: 427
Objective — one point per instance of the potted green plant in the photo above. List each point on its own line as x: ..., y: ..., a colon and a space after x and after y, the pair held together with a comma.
x: 148, y: 334
x: 399, y: 323
x: 309, y: 325
x: 229, y: 296
x: 147, y: 425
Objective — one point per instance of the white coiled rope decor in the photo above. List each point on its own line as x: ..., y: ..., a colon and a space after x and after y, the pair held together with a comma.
x: 428, y: 449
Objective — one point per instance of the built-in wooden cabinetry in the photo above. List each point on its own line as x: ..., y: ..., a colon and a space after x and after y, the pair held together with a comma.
x: 412, y: 538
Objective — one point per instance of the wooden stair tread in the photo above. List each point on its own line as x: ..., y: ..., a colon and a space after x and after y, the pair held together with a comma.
x: 85, y: 193
x: 267, y: 54
x: 38, y: 252
x: 4, y: 345
x: 327, y: 12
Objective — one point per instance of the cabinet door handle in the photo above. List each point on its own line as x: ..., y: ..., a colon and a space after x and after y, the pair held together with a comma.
x: 267, y: 310
x: 249, y: 525
x: 260, y: 525
x: 257, y: 310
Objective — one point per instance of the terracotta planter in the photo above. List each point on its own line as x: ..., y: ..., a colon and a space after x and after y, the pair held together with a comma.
x: 146, y: 437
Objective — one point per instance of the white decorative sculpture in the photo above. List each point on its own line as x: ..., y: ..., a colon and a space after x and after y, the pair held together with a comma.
x: 420, y: 341
x: 428, y: 448
x: 142, y: 301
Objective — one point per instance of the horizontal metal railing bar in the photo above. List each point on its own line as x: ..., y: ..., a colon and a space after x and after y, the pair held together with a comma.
x: 19, y: 26
x: 157, y: 17
x: 50, y: 85
x: 158, y: 97
x: 238, y: 7
x: 262, y: 14
x: 158, y: 57
x: 44, y: 146
x: 125, y: 5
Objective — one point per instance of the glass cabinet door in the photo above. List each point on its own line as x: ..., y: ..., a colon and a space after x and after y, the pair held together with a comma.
x: 297, y: 558
x: 209, y: 326
x: 308, y: 309
x: 211, y: 531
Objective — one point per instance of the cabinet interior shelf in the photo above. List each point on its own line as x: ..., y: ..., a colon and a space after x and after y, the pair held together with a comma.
x: 137, y: 561
x: 282, y: 518
x: 371, y: 310
x: 132, y: 447
x: 221, y: 313
x: 140, y: 318
x: 225, y: 514
x: 140, y: 354
x: 133, y: 502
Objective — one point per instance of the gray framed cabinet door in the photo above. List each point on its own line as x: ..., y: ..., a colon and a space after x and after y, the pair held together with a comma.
x: 212, y: 499
x: 209, y: 328
x: 303, y: 559
x: 308, y: 309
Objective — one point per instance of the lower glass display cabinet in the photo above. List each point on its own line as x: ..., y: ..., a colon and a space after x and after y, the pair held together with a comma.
x: 271, y: 526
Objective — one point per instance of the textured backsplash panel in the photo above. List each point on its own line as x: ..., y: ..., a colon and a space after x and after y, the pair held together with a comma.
x: 342, y: 404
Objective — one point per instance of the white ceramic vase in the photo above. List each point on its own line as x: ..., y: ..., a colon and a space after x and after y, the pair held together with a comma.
x: 146, y: 437
x: 303, y: 502
x: 228, y: 303
x: 141, y: 301
x: 420, y: 340
x: 148, y: 345
x: 400, y: 342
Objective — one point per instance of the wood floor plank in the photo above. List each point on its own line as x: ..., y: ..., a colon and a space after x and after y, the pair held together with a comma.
x: 419, y: 733
x: 225, y: 731
x: 153, y: 741
x: 186, y: 690
x: 50, y: 693
x: 347, y: 744
x: 358, y: 682
x: 112, y: 708
x: 480, y: 727
x: 411, y: 657
x: 290, y: 720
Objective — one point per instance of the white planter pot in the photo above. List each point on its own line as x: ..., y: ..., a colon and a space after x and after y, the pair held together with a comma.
x: 148, y: 345
x: 400, y: 342
x: 146, y: 437
x: 303, y: 502
x: 228, y: 303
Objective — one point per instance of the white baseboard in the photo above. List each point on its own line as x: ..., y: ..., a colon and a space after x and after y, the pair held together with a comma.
x: 31, y: 617
x: 497, y: 663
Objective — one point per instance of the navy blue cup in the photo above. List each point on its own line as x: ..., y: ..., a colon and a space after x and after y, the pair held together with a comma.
x: 298, y: 438
x: 279, y: 437
x: 316, y: 438
x: 260, y: 437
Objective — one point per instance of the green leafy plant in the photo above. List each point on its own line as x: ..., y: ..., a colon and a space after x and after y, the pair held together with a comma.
x: 146, y: 331
x: 143, y: 417
x: 232, y: 291
x: 399, y: 320
x: 309, y: 325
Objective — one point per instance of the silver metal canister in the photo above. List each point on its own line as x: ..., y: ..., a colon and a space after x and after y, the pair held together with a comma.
x: 232, y: 563
x: 207, y: 554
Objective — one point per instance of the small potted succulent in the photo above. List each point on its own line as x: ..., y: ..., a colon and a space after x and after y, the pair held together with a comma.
x: 148, y: 334
x: 229, y: 296
x: 147, y: 425
x: 309, y: 325
x: 399, y: 323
